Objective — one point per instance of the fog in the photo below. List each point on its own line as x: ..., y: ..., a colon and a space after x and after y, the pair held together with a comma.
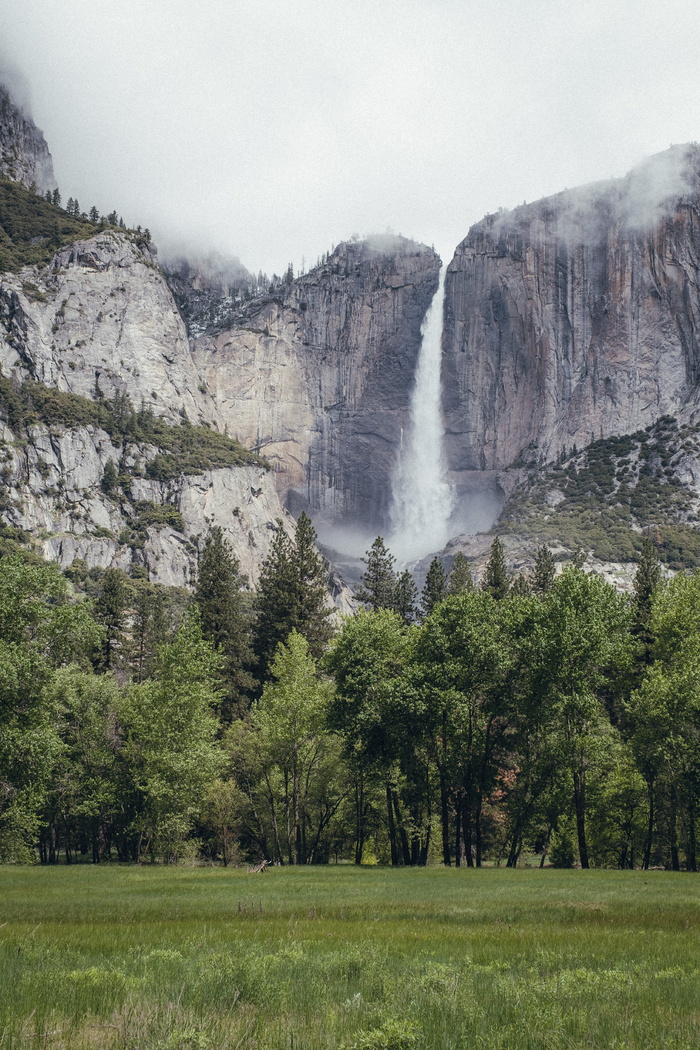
x: 272, y: 131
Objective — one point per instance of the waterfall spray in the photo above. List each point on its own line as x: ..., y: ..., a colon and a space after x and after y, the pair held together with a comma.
x: 421, y: 496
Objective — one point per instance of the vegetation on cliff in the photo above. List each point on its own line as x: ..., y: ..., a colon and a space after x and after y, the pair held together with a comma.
x: 32, y: 229
x: 606, y: 497
x: 182, y: 449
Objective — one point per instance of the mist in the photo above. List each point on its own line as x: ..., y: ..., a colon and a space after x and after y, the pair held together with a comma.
x: 272, y: 132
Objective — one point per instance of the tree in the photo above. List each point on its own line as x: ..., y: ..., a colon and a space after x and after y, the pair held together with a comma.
x: 110, y: 478
x: 544, y: 570
x: 460, y: 580
x: 110, y: 611
x: 94, y: 215
x: 379, y: 578
x: 646, y: 580
x: 496, y: 581
x: 169, y: 752
x: 56, y: 198
x: 367, y: 660
x: 290, y: 718
x: 292, y: 595
x: 435, y: 589
x: 226, y: 620
x: 406, y: 597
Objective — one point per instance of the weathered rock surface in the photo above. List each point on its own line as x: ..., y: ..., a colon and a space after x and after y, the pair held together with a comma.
x: 24, y: 155
x: 52, y: 489
x: 101, y: 317
x: 319, y: 376
x: 574, y: 318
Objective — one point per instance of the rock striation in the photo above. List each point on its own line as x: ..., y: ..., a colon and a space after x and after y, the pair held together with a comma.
x: 574, y: 318
x: 24, y: 155
x: 318, y: 376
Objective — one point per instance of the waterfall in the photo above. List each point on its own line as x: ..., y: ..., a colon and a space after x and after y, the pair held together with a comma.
x: 421, y: 496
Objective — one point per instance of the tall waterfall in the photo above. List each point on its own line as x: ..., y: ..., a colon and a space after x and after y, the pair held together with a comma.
x: 422, y: 499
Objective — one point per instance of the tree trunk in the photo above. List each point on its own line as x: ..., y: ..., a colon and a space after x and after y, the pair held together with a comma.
x: 673, y: 830
x: 445, y: 821
x: 405, y: 848
x: 691, y: 853
x: 580, y: 806
x: 392, y: 826
x: 650, y: 827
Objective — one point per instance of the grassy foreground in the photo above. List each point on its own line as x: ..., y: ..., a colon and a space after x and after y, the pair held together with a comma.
x: 202, y: 959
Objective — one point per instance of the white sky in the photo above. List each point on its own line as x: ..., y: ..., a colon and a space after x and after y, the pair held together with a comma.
x: 272, y: 129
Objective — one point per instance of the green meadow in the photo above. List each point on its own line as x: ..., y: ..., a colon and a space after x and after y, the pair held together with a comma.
x: 176, y: 958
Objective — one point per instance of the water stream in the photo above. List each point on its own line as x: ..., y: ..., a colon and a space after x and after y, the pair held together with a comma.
x: 422, y: 499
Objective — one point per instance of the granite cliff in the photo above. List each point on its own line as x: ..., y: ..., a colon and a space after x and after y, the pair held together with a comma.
x: 318, y: 375
x: 574, y: 318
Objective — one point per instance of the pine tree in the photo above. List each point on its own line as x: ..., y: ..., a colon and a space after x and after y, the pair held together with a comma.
x: 311, y: 574
x: 56, y: 198
x: 543, y: 572
x: 406, y: 597
x: 496, y: 582
x: 292, y: 595
x: 110, y: 610
x: 460, y: 580
x: 379, y: 578
x: 94, y: 215
x: 520, y: 585
x: 435, y: 589
x: 226, y: 621
x: 69, y: 206
x: 646, y: 580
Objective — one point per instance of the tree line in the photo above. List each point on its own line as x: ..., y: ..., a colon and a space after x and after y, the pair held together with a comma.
x: 539, y: 716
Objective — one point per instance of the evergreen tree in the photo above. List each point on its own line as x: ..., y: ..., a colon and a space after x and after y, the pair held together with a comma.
x: 435, y: 589
x: 226, y: 621
x: 292, y: 595
x: 379, y: 578
x: 406, y: 597
x: 646, y: 580
x: 94, y: 215
x: 520, y: 585
x: 543, y: 572
x: 496, y: 582
x: 110, y: 478
x: 460, y: 580
x: 110, y: 610
x: 69, y: 206
x: 56, y: 198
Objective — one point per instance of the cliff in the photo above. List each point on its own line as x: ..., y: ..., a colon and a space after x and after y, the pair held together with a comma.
x: 318, y: 375
x: 24, y: 155
x: 574, y: 318
x: 97, y: 325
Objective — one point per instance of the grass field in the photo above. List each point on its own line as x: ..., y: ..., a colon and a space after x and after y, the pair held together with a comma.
x: 201, y: 959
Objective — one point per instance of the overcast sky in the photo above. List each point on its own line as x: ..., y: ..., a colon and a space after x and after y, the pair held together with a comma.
x: 272, y: 129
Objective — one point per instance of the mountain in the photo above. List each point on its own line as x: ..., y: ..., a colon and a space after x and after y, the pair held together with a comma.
x: 572, y: 363
x: 24, y: 155
x: 318, y: 375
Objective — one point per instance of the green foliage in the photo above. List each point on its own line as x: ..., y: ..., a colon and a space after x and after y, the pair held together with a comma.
x: 32, y: 229
x: 226, y: 619
x: 292, y: 595
x: 379, y: 578
x: 169, y: 752
x: 435, y: 589
x: 184, y: 449
x: 609, y: 494
x: 460, y: 579
x: 496, y: 580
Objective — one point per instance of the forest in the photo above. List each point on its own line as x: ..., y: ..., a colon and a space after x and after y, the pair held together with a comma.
x: 541, y: 718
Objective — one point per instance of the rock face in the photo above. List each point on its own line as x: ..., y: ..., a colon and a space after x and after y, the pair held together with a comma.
x: 319, y: 376
x: 24, y: 155
x: 101, y: 317
x: 52, y: 489
x: 574, y: 318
